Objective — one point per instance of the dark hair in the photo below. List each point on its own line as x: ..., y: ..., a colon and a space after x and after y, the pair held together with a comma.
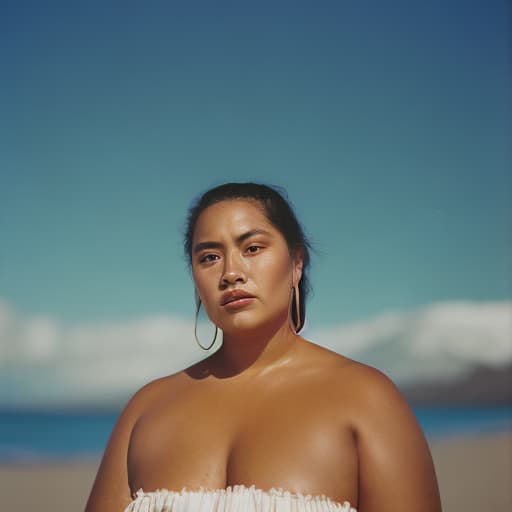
x: 278, y: 211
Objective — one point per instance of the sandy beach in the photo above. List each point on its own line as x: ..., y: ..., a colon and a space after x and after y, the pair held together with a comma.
x: 474, y: 473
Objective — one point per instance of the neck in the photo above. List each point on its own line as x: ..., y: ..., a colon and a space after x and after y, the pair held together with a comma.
x: 251, y: 353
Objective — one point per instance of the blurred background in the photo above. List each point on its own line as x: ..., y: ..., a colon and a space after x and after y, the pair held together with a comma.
x: 387, y: 123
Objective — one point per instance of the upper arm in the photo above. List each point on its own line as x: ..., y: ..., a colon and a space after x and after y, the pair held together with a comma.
x: 396, y: 472
x: 110, y: 491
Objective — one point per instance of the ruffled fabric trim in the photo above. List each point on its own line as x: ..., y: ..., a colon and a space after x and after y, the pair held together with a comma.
x: 236, y: 498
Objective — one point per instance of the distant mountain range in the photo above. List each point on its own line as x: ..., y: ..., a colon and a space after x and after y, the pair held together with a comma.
x: 484, y: 385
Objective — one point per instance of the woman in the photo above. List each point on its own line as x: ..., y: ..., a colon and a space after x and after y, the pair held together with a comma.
x: 270, y: 421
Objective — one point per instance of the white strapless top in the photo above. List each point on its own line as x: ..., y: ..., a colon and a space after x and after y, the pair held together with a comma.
x: 237, y: 498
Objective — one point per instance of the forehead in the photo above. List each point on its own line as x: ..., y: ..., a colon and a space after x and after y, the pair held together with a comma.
x: 235, y: 215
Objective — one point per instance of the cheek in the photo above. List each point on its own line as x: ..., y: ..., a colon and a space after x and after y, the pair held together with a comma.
x: 276, y: 274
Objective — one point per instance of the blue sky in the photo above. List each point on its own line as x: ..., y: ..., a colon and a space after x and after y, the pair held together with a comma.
x: 387, y: 123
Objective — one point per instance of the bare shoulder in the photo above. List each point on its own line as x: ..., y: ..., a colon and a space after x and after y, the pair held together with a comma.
x: 371, y: 387
x: 364, y: 391
x: 111, y: 490
x: 396, y: 471
x: 378, y: 405
x: 366, y: 384
x: 151, y: 392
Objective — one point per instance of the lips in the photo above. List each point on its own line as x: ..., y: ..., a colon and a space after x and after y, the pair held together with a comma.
x: 233, y: 296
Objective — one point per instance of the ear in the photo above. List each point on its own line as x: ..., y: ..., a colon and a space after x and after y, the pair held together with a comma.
x: 298, y: 262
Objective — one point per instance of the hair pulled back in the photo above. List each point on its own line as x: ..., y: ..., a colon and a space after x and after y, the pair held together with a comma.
x: 278, y: 211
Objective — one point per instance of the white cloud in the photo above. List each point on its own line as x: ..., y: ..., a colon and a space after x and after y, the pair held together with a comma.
x: 43, y: 361
x: 443, y: 340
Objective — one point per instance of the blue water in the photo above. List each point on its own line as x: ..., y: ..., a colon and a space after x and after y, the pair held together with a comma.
x: 29, y: 436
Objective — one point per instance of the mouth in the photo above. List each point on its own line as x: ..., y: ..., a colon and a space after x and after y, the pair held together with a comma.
x: 236, y: 299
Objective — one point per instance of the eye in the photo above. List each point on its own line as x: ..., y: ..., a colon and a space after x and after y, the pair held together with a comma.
x: 208, y: 258
x: 253, y: 249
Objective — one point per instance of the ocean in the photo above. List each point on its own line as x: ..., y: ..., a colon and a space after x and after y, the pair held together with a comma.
x: 31, y: 436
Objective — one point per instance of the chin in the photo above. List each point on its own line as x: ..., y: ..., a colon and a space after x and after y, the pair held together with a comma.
x: 236, y: 326
x: 240, y: 325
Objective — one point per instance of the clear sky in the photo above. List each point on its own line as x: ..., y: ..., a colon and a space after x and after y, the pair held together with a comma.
x: 386, y: 122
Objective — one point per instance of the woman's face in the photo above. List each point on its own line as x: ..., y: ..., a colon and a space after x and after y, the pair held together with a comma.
x: 242, y: 267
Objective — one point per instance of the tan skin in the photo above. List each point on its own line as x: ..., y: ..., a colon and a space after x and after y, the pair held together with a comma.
x: 270, y: 408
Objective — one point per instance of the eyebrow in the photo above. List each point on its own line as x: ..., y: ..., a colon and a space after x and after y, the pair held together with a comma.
x: 218, y: 245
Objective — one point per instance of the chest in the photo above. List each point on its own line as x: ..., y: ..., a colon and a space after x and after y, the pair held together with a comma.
x: 294, y: 439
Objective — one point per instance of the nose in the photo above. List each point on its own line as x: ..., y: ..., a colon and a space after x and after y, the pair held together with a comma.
x: 233, y: 272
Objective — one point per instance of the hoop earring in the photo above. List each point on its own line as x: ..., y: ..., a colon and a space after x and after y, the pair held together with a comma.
x: 195, y: 329
x: 295, y: 326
